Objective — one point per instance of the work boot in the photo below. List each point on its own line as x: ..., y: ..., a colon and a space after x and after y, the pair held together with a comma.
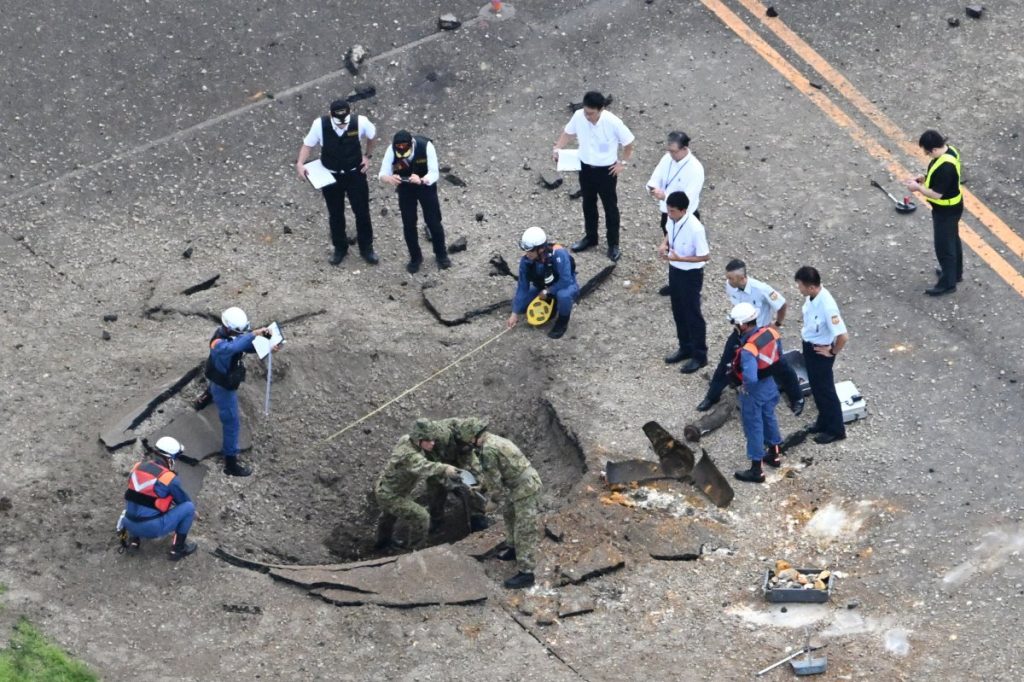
x: 665, y: 291
x: 561, y: 324
x: 478, y: 523
x: 134, y: 543
x: 232, y: 467
x: 678, y: 356
x: 614, y: 254
x: 798, y: 407
x: 414, y: 266
x: 814, y: 428
x: 752, y: 475
x: 181, y: 548
x: 692, y: 366
x: 707, y: 404
x: 773, y: 456
x: 336, y: 257
x: 444, y: 262
x: 584, y: 244
x: 824, y: 438
x: 507, y: 554
x: 519, y: 580
x: 370, y: 257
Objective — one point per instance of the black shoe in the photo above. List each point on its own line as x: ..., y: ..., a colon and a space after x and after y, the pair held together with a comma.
x: 583, y: 244
x: 413, y: 266
x: 825, y: 438
x: 181, y: 548
x: 561, y: 325
x: 370, y: 257
x: 678, y: 356
x: 939, y: 291
x: 444, y: 262
x: 232, y: 467
x: 336, y: 257
x: 938, y: 273
x: 773, y: 456
x: 134, y: 542
x: 478, y: 523
x: 665, y: 291
x: 797, y: 407
x: 707, y: 404
x: 814, y: 428
x: 614, y: 254
x: 519, y: 580
x: 692, y: 366
x: 507, y: 554
x: 751, y: 475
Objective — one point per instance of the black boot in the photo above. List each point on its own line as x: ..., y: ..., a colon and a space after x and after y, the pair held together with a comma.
x: 519, y: 580
x: 337, y: 257
x: 797, y: 406
x: 478, y: 522
x: 507, y: 554
x: 232, y: 467
x: 561, y: 324
x: 752, y: 475
x: 707, y: 404
x: 385, y: 531
x: 181, y: 547
x: 773, y: 456
x: 134, y: 543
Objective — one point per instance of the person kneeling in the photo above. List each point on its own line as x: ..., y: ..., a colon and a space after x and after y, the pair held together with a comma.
x: 549, y: 271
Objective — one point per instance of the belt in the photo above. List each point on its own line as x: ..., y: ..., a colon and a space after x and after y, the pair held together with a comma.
x: 342, y: 172
x: 590, y: 165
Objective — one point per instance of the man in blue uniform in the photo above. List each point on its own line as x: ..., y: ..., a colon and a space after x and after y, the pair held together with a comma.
x: 545, y: 270
x: 760, y: 348
x: 225, y: 372
x: 156, y: 504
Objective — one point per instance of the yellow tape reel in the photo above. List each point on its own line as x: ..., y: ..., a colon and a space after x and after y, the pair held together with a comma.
x: 539, y: 312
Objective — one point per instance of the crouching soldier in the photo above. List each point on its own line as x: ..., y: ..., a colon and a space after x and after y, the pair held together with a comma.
x: 508, y: 474
x: 412, y: 461
x: 448, y: 449
x: 156, y: 504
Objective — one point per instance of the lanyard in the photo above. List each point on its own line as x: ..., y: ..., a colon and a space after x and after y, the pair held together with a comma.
x: 678, y: 171
x: 675, y: 233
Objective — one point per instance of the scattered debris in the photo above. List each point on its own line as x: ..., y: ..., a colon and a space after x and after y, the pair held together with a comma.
x: 785, y: 584
x: 722, y: 412
x: 545, y: 616
x: 5, y: 504
x: 118, y: 432
x: 247, y: 609
x: 550, y: 180
x: 501, y: 267
x: 479, y: 217
x: 594, y: 562
x: 553, y: 531
x: 953, y: 21
x: 574, y: 603
x: 457, y: 245
x: 615, y: 497
x: 673, y: 539
x: 361, y: 92
x: 286, y: 230
x: 187, y: 253
x: 455, y: 180
x: 110, y: 317
x: 201, y: 286
x: 105, y: 335
x: 354, y: 58
x: 638, y: 470
x: 816, y: 85
x: 974, y: 11
x: 771, y: 11
x: 448, y: 22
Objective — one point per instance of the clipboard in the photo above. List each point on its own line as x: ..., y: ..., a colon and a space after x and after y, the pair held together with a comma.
x: 568, y: 160
x: 318, y: 176
x: 262, y: 345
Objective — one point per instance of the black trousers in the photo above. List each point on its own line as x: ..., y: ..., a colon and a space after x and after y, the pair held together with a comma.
x: 685, y: 287
x: 949, y: 250
x: 782, y: 372
x: 823, y: 388
x: 353, y: 184
x: 411, y: 196
x: 597, y: 181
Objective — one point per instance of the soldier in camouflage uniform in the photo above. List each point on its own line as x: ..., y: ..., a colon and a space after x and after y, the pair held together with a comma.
x: 450, y: 450
x: 506, y: 472
x: 413, y: 460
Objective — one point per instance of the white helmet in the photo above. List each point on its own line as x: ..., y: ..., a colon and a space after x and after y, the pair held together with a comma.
x: 236, y: 320
x: 743, y: 313
x: 169, y: 447
x: 532, y: 238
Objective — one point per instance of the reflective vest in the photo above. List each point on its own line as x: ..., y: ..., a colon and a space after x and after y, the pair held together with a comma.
x: 543, y: 275
x: 763, y: 344
x: 142, y: 486
x: 951, y: 156
x: 236, y: 370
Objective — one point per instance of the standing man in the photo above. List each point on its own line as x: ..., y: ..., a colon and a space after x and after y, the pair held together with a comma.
x: 508, y: 475
x: 824, y: 335
x: 678, y: 170
x: 599, y: 134
x: 941, y: 188
x: 771, y: 310
x: 410, y: 165
x: 156, y: 504
x: 545, y: 270
x: 759, y: 349
x: 686, y: 249
x: 412, y: 461
x: 225, y: 373
x: 339, y: 136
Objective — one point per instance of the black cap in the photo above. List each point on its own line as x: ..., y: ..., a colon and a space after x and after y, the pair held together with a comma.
x: 340, y: 105
x: 402, y: 137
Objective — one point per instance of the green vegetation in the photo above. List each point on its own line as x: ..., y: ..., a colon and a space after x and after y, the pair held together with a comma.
x: 30, y: 658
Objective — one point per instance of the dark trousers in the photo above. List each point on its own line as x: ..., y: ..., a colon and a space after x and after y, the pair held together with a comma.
x: 684, y: 287
x: 949, y: 250
x: 353, y: 184
x: 782, y: 372
x: 409, y: 196
x: 823, y: 388
x: 597, y: 181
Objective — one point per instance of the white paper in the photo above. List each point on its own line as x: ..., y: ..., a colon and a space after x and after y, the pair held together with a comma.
x: 568, y: 160
x: 263, y: 346
x: 318, y: 176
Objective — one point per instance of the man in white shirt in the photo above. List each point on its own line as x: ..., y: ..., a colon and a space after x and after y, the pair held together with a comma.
x: 339, y: 136
x: 599, y: 133
x: 686, y: 250
x: 410, y: 165
x: 678, y: 170
x: 824, y: 336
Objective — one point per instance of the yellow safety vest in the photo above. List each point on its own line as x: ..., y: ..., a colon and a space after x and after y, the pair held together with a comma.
x: 951, y: 156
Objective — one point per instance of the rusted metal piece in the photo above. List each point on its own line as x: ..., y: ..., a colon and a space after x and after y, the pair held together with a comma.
x: 723, y: 412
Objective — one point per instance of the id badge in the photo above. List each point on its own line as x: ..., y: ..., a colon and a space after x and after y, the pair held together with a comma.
x: 603, y: 147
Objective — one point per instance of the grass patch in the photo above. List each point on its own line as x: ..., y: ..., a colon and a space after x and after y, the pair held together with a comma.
x: 30, y: 658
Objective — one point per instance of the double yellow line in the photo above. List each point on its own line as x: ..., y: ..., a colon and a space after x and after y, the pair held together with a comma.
x: 972, y: 204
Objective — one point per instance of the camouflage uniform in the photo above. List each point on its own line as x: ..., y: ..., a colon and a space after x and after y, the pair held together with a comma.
x: 505, y: 470
x: 450, y: 450
x: 407, y: 467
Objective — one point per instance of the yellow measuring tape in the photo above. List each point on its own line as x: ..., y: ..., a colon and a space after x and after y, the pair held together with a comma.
x: 410, y: 390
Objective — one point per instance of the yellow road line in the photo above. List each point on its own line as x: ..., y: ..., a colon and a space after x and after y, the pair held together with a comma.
x: 973, y: 240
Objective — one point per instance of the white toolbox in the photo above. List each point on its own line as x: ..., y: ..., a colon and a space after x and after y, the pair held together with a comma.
x: 854, y: 407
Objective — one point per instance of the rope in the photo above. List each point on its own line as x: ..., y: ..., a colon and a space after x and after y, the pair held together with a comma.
x: 412, y: 389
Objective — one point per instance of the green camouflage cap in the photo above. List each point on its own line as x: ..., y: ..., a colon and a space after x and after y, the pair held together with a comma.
x: 424, y: 429
x: 471, y: 428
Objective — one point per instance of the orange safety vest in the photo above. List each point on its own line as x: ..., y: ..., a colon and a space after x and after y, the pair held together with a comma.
x: 763, y: 344
x: 142, y: 486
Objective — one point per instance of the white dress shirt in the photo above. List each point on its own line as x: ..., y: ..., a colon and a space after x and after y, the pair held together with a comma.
x: 762, y: 296
x: 433, y: 171
x: 822, y: 322
x: 687, y: 238
x: 679, y: 176
x: 599, y: 143
x: 315, y: 136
